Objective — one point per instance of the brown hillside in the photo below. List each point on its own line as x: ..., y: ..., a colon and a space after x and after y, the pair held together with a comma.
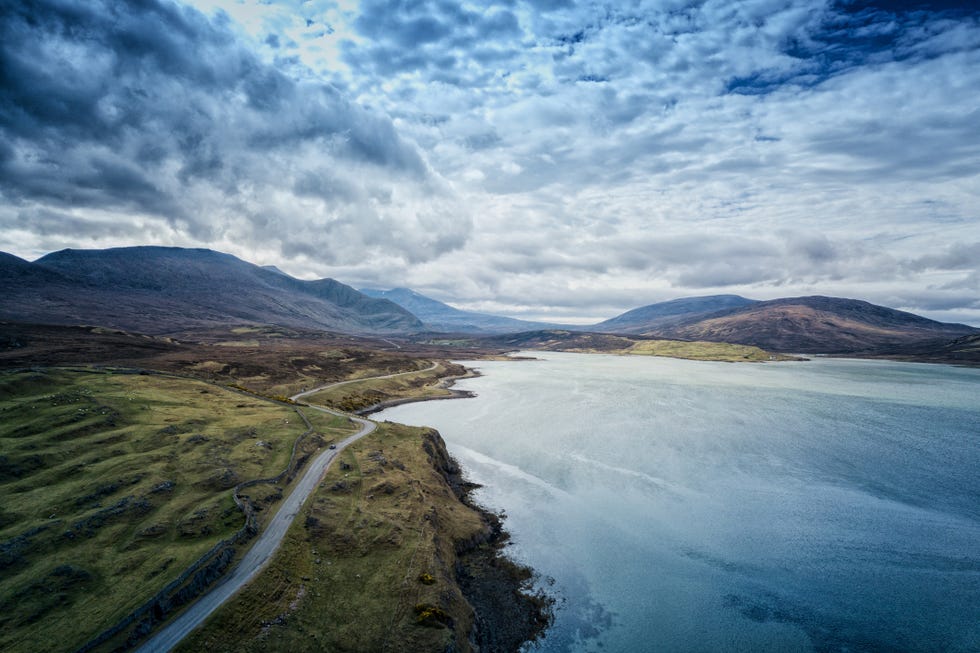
x: 817, y: 325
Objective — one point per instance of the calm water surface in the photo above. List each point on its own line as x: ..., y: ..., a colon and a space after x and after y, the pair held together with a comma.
x: 832, y: 505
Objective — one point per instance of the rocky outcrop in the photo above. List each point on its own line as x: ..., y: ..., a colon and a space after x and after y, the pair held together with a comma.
x: 508, y: 613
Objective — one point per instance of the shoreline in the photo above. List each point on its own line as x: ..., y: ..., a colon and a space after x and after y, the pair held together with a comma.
x: 445, y: 383
x: 508, y: 613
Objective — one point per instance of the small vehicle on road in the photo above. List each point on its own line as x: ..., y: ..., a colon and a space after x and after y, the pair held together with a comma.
x: 333, y: 446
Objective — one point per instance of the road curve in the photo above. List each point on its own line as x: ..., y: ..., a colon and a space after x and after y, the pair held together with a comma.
x: 261, y: 551
x: 306, y: 393
x: 271, y: 536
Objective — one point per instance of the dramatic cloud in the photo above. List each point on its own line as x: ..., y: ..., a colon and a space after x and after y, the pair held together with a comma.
x: 550, y: 159
x: 153, y: 111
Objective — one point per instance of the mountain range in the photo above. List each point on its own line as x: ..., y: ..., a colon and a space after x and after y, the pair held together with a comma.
x: 160, y: 290
x: 166, y: 289
x: 808, y: 325
x: 439, y: 316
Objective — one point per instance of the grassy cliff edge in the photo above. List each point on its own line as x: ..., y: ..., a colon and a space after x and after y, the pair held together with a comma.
x: 375, y: 560
x: 387, y: 554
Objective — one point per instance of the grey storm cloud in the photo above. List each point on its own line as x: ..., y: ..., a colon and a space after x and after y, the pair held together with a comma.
x: 154, y: 108
x: 958, y: 256
x: 53, y: 223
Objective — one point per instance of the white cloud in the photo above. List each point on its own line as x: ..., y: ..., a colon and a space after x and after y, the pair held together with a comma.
x: 577, y: 159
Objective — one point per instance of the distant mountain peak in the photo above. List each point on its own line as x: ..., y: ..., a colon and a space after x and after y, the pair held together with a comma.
x: 439, y: 316
x: 273, y: 268
x: 814, y: 324
x: 668, y: 312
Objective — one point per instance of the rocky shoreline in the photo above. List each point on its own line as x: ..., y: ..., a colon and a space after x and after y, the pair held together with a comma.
x: 508, y: 612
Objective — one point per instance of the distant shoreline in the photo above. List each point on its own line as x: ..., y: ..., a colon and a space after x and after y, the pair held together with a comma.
x: 506, y: 616
x: 445, y: 383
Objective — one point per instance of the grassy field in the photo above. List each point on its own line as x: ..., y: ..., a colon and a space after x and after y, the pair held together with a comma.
x: 111, y: 484
x: 606, y: 343
x: 706, y: 351
x: 367, y: 566
x: 423, y: 384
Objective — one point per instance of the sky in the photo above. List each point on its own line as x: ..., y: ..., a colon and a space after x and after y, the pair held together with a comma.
x: 547, y: 159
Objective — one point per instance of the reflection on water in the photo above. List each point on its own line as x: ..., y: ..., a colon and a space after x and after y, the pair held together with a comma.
x: 684, y: 506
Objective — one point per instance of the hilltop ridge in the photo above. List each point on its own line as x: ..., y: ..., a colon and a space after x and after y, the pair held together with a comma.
x: 814, y: 324
x: 164, y: 289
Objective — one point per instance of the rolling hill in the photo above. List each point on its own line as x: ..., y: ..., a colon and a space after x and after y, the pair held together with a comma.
x: 663, y: 314
x: 165, y: 289
x: 826, y: 325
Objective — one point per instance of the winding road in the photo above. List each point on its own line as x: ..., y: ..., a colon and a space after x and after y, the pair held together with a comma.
x: 271, y: 536
x: 306, y: 393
